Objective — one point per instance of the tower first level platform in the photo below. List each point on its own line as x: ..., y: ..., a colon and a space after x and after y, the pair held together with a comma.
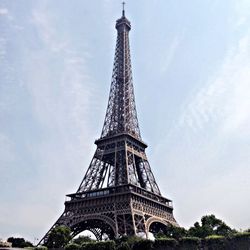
x: 117, y: 211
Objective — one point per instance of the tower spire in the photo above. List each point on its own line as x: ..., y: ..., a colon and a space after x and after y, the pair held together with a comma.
x: 121, y: 115
x: 123, y: 9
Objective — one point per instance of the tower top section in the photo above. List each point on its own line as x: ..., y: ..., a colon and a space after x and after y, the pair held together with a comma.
x: 123, y: 9
x: 121, y: 115
x: 123, y: 23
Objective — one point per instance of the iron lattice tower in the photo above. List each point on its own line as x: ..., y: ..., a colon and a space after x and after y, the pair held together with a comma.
x: 118, y: 194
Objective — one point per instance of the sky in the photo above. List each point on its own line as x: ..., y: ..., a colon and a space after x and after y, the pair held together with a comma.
x: 191, y: 71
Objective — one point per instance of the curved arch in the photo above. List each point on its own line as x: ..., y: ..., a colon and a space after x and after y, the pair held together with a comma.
x: 97, y: 224
x: 156, y: 225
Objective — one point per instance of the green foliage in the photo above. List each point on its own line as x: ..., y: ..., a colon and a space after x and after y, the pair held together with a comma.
x: 16, y: 242
x: 40, y: 248
x: 130, y: 240
x: 101, y: 245
x: 191, y: 239
x: 216, y: 242
x: 27, y: 244
x: 175, y: 232
x: 197, y: 231
x: 72, y: 246
x: 123, y: 246
x: 241, y: 241
x: 190, y: 243
x: 165, y: 243
x: 242, y: 235
x: 59, y: 237
x: 143, y: 245
x: 214, y: 237
x: 88, y: 246
x: 81, y: 239
x: 19, y: 242
x: 172, y: 232
x: 210, y: 225
x: 160, y: 235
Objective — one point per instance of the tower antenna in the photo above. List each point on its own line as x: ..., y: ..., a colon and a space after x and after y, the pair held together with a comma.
x: 123, y: 8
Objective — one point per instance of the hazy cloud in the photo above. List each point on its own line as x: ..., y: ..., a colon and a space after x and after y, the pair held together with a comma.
x: 170, y: 53
x: 6, y: 150
x: 4, y: 11
x: 224, y: 100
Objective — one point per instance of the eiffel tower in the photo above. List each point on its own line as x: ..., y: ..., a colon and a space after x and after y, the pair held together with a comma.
x: 118, y: 194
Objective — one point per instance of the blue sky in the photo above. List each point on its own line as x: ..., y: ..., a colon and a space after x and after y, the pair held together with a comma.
x: 191, y: 70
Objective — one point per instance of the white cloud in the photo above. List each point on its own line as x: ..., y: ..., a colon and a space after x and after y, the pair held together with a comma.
x: 170, y: 53
x: 241, y: 10
x: 224, y: 101
x: 213, y: 150
x: 59, y: 91
x: 4, y: 11
x: 31, y: 214
x: 6, y: 150
x: 2, y: 48
x: 44, y: 24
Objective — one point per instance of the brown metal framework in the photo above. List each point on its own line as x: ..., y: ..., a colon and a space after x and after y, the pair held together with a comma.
x: 118, y: 194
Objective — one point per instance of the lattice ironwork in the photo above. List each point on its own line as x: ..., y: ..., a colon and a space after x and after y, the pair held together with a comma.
x: 119, y: 161
x: 121, y: 116
x: 118, y: 194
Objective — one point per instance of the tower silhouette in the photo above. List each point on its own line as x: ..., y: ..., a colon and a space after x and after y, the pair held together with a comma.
x: 118, y: 194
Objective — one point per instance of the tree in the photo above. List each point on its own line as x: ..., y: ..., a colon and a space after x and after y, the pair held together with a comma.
x: 123, y: 246
x: 59, y: 237
x: 27, y: 244
x: 81, y: 239
x: 19, y: 242
x: 16, y: 242
x: 176, y: 232
x: 72, y: 246
x: 172, y: 232
x: 210, y: 225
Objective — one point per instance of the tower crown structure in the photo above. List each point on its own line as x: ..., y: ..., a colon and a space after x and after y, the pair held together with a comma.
x: 118, y: 194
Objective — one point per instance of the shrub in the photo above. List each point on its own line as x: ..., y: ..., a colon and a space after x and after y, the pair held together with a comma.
x: 19, y: 242
x: 26, y: 244
x: 215, y: 242
x: 81, y: 239
x: 101, y: 245
x: 58, y: 237
x: 160, y: 235
x: 123, y: 246
x: 245, y: 235
x: 190, y: 243
x: 40, y: 248
x: 72, y: 246
x: 165, y: 244
x: 130, y: 240
x: 143, y: 245
x: 240, y: 241
x: 88, y: 246
x: 214, y: 237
